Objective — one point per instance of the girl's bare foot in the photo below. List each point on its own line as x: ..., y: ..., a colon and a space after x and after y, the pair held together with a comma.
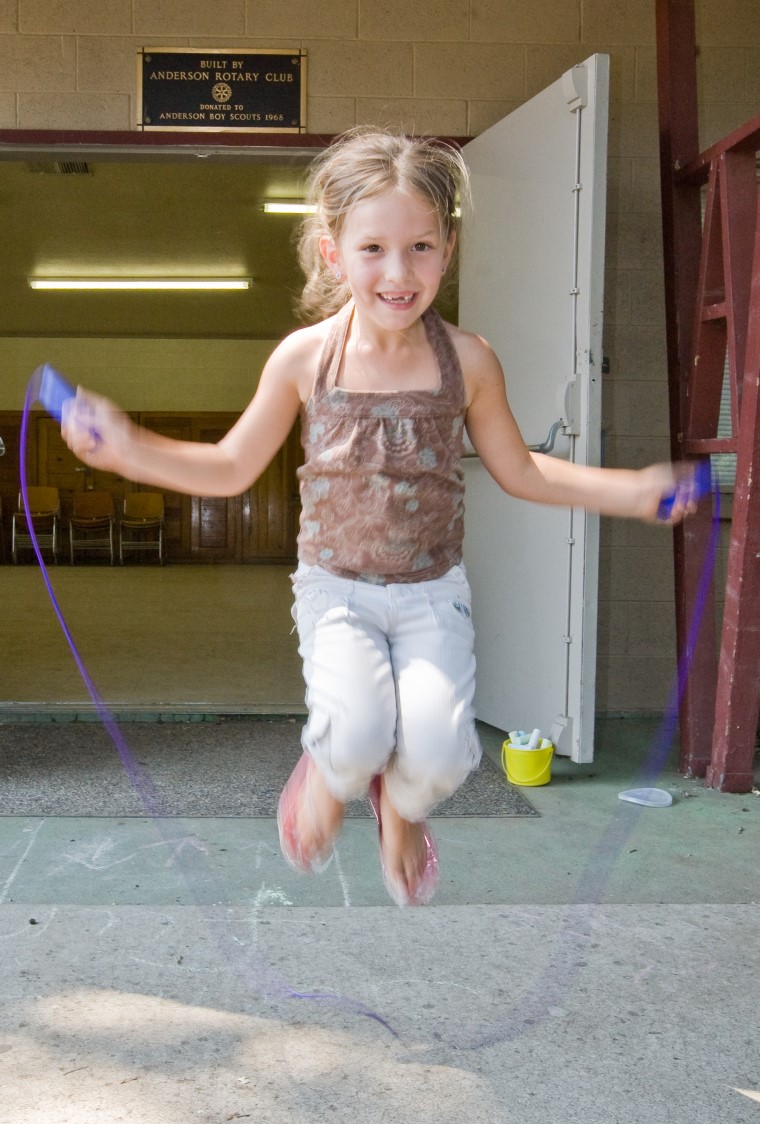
x: 407, y: 851
x: 319, y: 816
x: 308, y: 818
x: 404, y: 850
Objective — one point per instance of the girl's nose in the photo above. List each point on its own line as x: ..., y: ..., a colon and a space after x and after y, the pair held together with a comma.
x: 396, y: 267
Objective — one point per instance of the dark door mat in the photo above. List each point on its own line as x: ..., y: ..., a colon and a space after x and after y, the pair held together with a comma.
x: 230, y: 767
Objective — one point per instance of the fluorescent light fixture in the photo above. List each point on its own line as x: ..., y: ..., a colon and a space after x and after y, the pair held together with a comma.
x: 95, y: 283
x: 287, y: 207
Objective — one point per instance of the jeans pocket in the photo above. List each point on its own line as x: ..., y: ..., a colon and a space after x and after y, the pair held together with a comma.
x: 453, y: 612
x: 310, y: 605
x: 315, y: 603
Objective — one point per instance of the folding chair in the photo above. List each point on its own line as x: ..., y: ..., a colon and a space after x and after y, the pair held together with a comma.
x: 45, y: 512
x: 143, y: 520
x: 92, y: 522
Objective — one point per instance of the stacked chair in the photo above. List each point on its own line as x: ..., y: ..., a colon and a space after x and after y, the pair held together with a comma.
x: 45, y: 513
x: 92, y: 523
x: 141, y: 527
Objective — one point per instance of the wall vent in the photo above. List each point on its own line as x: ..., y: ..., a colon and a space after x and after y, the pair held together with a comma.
x: 60, y: 168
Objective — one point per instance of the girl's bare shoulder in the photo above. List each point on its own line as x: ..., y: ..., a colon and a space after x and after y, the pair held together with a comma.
x: 297, y: 356
x: 476, y: 356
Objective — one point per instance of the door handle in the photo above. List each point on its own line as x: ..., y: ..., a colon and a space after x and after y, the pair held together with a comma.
x: 545, y: 446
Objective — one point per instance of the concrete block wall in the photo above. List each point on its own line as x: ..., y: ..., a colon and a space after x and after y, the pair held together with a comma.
x: 453, y: 67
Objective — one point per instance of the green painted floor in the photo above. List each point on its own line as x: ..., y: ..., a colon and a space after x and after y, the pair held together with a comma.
x: 586, y: 845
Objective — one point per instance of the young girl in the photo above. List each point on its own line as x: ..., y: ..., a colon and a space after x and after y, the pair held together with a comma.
x: 385, y: 389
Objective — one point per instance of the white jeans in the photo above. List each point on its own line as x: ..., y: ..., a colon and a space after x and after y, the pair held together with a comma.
x: 390, y: 679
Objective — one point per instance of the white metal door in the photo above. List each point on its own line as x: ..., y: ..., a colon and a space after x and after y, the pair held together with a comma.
x: 531, y: 282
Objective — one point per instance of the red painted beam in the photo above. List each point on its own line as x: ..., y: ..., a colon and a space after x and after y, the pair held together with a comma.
x: 745, y: 138
x: 704, y: 378
x: 682, y: 239
x: 731, y: 768
x: 704, y: 446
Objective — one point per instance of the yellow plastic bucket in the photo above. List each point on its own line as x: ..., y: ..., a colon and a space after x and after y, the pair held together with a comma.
x: 528, y: 767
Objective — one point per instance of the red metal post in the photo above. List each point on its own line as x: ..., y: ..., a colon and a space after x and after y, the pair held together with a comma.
x: 739, y: 673
x: 682, y: 238
x: 709, y: 331
x: 739, y: 175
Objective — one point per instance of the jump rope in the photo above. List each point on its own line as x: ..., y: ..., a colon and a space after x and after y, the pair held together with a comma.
x: 47, y: 386
x: 51, y: 389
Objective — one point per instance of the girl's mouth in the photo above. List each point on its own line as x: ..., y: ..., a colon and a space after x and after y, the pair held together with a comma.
x: 398, y: 300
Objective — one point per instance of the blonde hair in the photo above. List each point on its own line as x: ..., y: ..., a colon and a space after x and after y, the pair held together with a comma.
x: 362, y: 164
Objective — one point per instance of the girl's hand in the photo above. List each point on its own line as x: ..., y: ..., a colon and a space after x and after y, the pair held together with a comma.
x: 97, y: 431
x: 668, y: 492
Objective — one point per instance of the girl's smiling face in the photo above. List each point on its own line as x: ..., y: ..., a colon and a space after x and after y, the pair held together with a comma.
x: 393, y: 253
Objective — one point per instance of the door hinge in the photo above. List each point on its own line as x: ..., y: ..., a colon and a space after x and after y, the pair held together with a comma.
x: 575, y: 87
x: 561, y: 734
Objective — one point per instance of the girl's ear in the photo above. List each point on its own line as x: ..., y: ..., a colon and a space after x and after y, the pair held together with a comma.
x: 329, y: 252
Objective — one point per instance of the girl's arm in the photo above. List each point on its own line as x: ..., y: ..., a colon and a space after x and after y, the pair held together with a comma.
x: 104, y: 437
x: 543, y: 479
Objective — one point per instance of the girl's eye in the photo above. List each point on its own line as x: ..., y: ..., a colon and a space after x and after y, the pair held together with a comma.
x: 421, y: 246
x: 373, y: 248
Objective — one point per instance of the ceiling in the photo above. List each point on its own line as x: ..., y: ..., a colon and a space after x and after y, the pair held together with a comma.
x: 121, y: 211
x: 108, y: 216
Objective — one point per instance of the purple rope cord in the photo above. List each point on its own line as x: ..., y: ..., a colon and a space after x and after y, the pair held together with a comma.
x: 564, y: 965
x: 257, y: 975
x: 576, y: 930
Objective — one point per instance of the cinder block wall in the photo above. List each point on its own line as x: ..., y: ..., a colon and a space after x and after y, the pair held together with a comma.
x: 453, y: 67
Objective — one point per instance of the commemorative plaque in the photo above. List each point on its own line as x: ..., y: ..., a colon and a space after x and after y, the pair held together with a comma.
x: 222, y: 90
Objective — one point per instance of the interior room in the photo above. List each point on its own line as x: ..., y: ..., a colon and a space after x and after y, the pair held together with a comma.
x: 184, y: 363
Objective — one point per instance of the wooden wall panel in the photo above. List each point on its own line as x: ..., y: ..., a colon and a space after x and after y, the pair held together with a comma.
x: 10, y: 431
x: 177, y: 506
x: 271, y: 507
x: 259, y: 526
x: 215, y: 521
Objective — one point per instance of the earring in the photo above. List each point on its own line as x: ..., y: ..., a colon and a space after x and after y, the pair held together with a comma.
x: 338, y: 274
